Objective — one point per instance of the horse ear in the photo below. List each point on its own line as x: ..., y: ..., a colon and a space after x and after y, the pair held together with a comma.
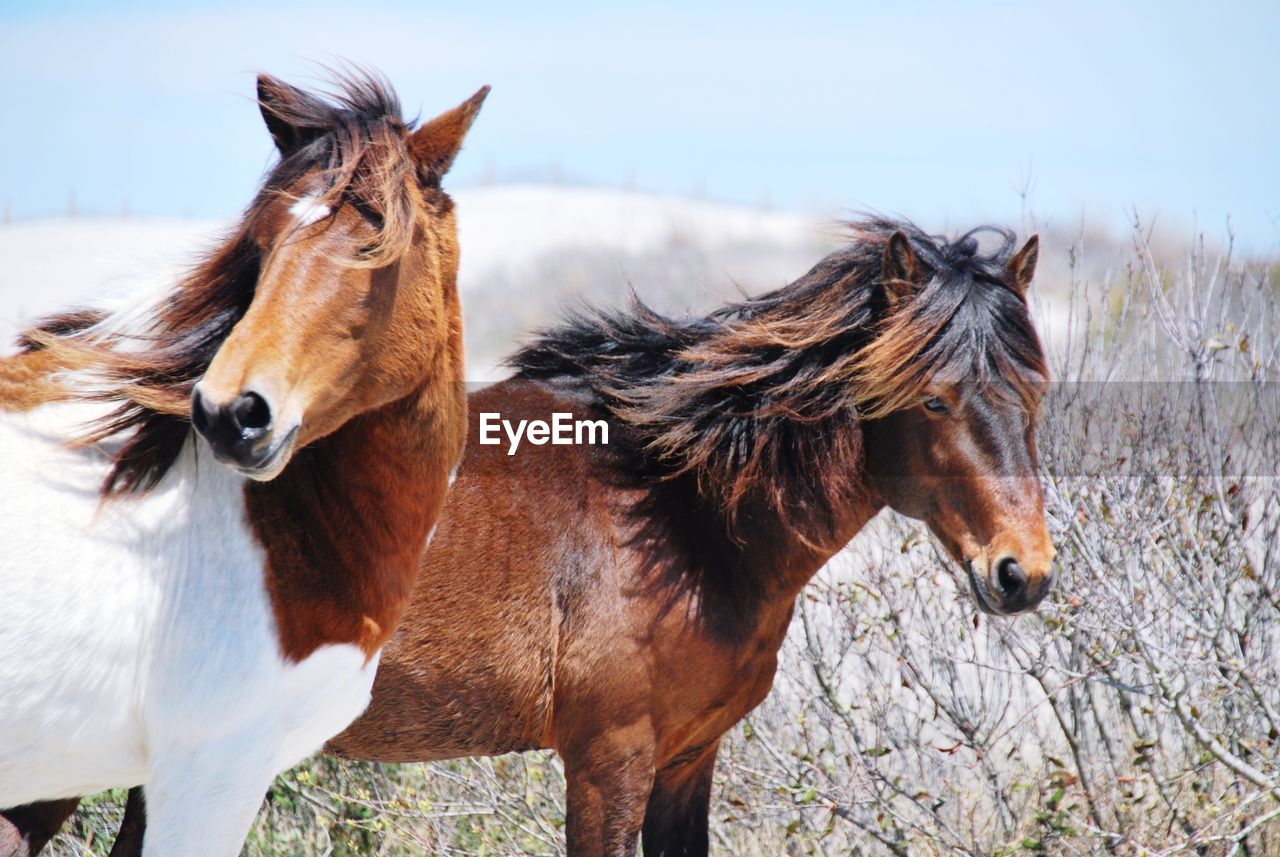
x: 900, y: 272
x: 436, y: 144
x: 1022, y: 267
x: 283, y: 108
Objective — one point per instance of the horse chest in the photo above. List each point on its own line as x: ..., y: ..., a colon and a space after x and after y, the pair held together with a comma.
x: 707, y: 685
x: 220, y: 669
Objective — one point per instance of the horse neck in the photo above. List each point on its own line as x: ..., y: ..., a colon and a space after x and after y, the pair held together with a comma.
x: 345, y: 523
x: 750, y: 586
x: 791, y: 559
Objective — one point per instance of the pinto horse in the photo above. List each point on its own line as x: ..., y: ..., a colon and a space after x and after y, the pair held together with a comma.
x: 194, y: 614
x: 624, y: 604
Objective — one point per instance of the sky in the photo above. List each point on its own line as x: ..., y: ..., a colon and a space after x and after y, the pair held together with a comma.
x: 947, y: 113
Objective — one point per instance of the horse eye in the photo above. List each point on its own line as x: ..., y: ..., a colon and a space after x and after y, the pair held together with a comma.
x: 934, y: 405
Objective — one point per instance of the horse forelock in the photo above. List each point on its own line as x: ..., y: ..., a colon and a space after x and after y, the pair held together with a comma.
x: 964, y: 323
x: 363, y: 161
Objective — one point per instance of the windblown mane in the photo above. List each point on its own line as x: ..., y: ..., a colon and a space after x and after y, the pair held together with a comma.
x: 355, y: 141
x: 759, y: 402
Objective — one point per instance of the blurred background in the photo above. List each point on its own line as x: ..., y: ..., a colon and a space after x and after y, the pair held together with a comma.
x: 695, y: 152
x: 941, y: 111
x: 680, y: 148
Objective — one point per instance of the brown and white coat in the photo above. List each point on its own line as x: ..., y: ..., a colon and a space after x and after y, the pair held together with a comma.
x: 196, y: 622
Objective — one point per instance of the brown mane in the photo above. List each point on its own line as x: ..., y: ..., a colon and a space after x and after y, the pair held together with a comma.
x: 757, y: 400
x: 356, y: 142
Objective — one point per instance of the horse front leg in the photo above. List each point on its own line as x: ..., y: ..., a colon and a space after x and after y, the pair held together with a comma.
x: 608, y: 782
x: 133, y: 826
x: 201, y: 801
x: 675, y: 823
x: 25, y: 830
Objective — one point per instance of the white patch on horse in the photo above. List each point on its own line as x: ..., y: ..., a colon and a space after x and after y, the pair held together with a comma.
x: 308, y: 210
x: 153, y: 615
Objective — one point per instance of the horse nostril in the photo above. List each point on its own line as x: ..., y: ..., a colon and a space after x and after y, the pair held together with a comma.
x: 201, y: 414
x: 1011, y: 578
x: 252, y: 414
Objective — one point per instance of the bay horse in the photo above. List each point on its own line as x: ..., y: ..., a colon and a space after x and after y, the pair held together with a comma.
x: 624, y: 604
x: 194, y: 611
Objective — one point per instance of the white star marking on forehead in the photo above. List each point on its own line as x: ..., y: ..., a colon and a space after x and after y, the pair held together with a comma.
x: 307, y: 210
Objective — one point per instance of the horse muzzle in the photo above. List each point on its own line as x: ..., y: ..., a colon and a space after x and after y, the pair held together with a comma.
x: 1008, y: 589
x: 241, y: 433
